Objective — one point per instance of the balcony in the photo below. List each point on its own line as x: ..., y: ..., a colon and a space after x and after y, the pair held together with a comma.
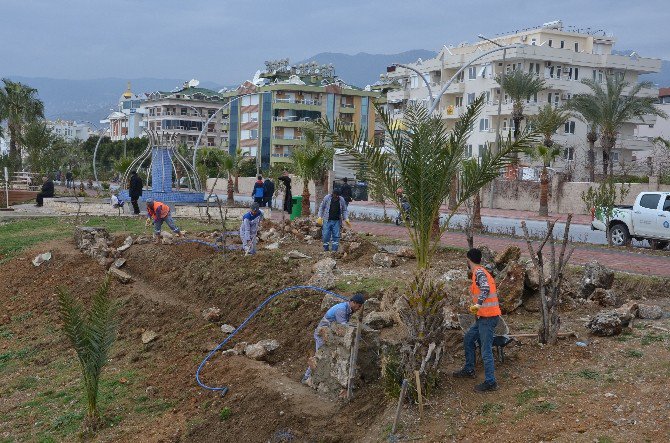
x: 289, y: 103
x: 288, y: 137
x: 634, y: 143
x: 279, y: 140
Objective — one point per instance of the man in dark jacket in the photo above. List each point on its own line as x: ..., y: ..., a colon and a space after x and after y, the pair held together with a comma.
x: 69, y: 181
x: 268, y: 192
x: 135, y: 191
x: 288, y: 202
x: 258, y: 193
x: 346, y: 191
x: 47, y: 191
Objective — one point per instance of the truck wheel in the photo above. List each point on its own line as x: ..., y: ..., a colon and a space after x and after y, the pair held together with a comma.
x: 619, y: 235
x: 658, y: 244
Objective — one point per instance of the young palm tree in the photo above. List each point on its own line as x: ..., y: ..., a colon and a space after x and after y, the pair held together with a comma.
x: 312, y: 161
x: 520, y: 86
x: 91, y: 334
x: 19, y: 105
x: 547, y: 122
x: 610, y: 107
x: 38, y: 139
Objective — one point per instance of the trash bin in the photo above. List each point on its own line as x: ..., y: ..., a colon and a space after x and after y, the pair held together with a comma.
x: 297, y: 206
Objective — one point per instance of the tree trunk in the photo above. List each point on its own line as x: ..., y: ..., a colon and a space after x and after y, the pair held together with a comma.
x: 544, y: 192
x: 231, y: 187
x: 237, y: 183
x: 591, y: 137
x: 477, y: 213
x: 320, y: 189
x: 305, y: 199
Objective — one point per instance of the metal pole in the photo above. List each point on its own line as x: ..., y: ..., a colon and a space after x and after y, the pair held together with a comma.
x: 498, y: 134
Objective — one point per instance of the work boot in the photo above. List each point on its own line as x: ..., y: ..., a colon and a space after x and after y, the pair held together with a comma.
x: 464, y: 374
x: 325, y: 248
x: 486, y: 386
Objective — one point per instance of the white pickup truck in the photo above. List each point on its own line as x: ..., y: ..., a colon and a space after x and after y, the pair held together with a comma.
x: 648, y: 219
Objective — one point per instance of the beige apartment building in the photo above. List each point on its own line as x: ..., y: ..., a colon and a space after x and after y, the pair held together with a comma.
x: 561, y: 56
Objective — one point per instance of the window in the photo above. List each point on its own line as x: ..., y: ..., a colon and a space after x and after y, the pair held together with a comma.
x: 249, y: 117
x: 569, y: 127
x: 575, y: 73
x: 666, y: 204
x: 183, y: 111
x: 483, y: 124
x: 471, y: 98
x: 569, y: 153
x: 482, y: 150
x: 250, y: 100
x: 472, y: 72
x: 576, y: 47
x: 558, y: 71
x: 550, y: 43
x: 650, y: 201
x: 615, y: 156
x: 247, y: 134
x: 414, y: 82
x: 534, y: 69
x: 620, y: 75
x: 459, y: 101
x: 468, y: 152
x: 551, y: 72
x: 533, y: 41
x: 562, y: 44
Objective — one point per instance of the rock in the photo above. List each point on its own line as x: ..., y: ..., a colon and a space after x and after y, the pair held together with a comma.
x: 607, y: 323
x: 488, y: 256
x: 149, y: 336
x: 142, y: 240
x: 605, y: 297
x: 650, y: 312
x: 229, y: 352
x: 352, y: 247
x: 239, y: 348
x: 167, y: 240
x: 373, y: 304
x: 378, y: 320
x: 384, y: 260
x: 324, y: 280
x: 127, y: 243
x: 41, y: 258
x: 453, y: 275
x: 120, y: 275
x: 628, y: 311
x: 260, y: 350
x: 406, y: 252
x: 510, y: 287
x: 272, y: 246
x: 329, y: 301
x: 119, y: 262
x: 227, y: 329
x: 212, y: 314
x: 512, y: 253
x: 296, y: 255
x: 595, y: 276
x: 151, y: 391
x: 324, y: 265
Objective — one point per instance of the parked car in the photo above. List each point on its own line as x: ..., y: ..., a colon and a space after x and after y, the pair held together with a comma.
x: 648, y: 219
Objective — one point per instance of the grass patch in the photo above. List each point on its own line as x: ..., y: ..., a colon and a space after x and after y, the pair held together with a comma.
x: 589, y: 374
x: 526, y: 395
x: 545, y: 406
x: 604, y: 439
x: 225, y: 414
x: 652, y: 337
x: 366, y: 285
x: 634, y: 353
x: 492, y: 408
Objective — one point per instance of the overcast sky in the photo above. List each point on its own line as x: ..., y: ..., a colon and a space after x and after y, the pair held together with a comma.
x: 227, y: 41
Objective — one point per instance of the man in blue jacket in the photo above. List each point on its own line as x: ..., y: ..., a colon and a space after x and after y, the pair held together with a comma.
x: 249, y: 228
x: 334, y: 209
x: 339, y: 313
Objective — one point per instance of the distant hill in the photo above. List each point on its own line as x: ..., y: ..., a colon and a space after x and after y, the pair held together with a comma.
x: 91, y: 100
x: 363, y: 69
x: 662, y: 78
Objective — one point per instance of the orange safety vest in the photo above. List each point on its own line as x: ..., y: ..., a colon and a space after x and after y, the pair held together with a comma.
x: 490, y: 307
x: 165, y: 209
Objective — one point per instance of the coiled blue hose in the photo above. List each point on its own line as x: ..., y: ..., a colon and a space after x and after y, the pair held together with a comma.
x: 224, y: 389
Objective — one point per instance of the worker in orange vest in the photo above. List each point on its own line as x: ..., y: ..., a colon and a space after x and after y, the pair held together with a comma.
x: 487, y: 310
x: 159, y: 212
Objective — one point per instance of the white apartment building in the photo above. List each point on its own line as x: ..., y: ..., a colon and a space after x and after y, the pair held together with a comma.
x: 126, y: 120
x: 562, y: 57
x: 70, y: 130
x: 650, y: 161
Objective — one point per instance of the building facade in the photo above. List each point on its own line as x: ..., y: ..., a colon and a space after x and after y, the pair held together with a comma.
x: 562, y: 57
x: 126, y: 120
x: 268, y: 116
x: 70, y: 130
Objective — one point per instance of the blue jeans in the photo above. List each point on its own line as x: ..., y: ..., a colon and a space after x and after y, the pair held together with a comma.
x: 331, y: 229
x: 159, y: 223
x: 481, y: 331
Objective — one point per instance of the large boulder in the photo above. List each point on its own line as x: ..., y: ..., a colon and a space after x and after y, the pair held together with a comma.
x: 595, y: 276
x: 120, y: 275
x: 510, y: 285
x: 605, y: 297
x: 488, y: 259
x: 378, y: 320
x: 261, y: 350
x: 324, y: 276
x: 384, y: 260
x: 512, y: 253
x: 650, y: 312
x: 607, y: 323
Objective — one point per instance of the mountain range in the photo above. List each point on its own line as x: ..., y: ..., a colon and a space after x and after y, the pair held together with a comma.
x: 91, y: 100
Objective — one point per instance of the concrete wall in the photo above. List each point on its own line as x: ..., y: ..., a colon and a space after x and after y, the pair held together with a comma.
x: 564, y: 197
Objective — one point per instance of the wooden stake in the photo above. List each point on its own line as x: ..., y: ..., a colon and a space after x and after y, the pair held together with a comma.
x: 354, y: 356
x: 403, y: 391
x: 417, y: 376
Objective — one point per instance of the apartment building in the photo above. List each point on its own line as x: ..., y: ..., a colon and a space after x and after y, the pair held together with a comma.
x: 268, y: 115
x: 561, y: 56
x: 126, y: 120
x: 69, y: 130
x: 185, y: 113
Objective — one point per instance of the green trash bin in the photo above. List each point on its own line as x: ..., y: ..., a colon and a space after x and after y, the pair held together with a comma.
x: 297, y: 206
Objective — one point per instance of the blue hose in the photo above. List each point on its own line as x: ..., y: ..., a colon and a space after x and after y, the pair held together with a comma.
x: 224, y: 389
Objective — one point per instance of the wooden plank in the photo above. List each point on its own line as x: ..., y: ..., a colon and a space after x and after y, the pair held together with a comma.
x: 403, y: 391
x: 417, y: 376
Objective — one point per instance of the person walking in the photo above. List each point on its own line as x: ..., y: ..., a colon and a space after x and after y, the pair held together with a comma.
x: 46, y: 192
x: 249, y: 229
x: 347, y: 193
x: 69, y: 181
x: 487, y: 310
x: 135, y: 191
x: 340, y: 313
x: 258, y: 193
x: 268, y: 192
x: 159, y: 212
x: 288, y: 197
x: 334, y: 208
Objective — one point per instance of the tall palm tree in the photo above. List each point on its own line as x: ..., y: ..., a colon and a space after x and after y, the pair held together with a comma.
x: 547, y: 122
x: 520, y: 86
x: 19, y: 105
x: 610, y: 107
x: 312, y: 161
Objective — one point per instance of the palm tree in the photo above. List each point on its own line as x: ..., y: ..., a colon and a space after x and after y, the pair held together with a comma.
x: 312, y: 161
x: 19, y: 105
x: 547, y: 122
x: 610, y: 107
x: 520, y: 86
x: 91, y: 334
x: 38, y: 139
